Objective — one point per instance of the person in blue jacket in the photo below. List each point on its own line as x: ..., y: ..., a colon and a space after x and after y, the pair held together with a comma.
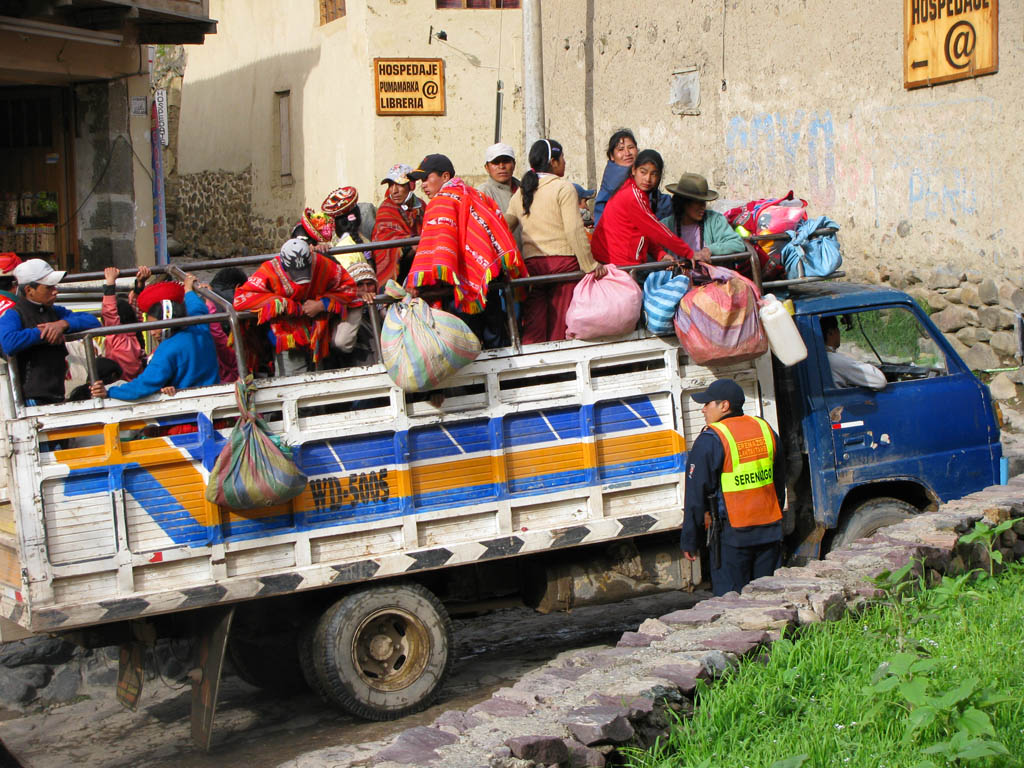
x: 32, y: 329
x: 185, y: 358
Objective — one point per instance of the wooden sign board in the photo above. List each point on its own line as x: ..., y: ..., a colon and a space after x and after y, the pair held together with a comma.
x: 409, y: 86
x: 945, y: 40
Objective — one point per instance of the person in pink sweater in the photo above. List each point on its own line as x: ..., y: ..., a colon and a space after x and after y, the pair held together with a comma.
x: 628, y: 232
x: 123, y: 348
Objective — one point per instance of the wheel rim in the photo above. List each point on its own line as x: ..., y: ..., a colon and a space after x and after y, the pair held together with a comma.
x: 391, y: 649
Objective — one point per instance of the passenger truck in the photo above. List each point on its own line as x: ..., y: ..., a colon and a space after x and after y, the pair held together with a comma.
x: 551, y: 473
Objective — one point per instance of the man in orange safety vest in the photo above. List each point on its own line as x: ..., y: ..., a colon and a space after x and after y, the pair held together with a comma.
x: 735, y: 489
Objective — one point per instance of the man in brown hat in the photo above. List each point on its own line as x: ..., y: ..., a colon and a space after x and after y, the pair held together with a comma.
x: 707, y: 232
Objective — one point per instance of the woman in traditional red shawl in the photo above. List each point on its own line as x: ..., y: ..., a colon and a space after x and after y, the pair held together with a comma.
x: 398, y: 217
x: 285, y: 290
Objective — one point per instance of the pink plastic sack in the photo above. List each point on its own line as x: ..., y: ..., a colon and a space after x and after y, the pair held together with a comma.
x: 606, y: 307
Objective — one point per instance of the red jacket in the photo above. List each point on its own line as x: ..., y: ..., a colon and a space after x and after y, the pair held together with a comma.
x: 628, y: 230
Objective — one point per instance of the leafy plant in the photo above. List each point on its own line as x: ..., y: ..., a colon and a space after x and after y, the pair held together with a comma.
x: 988, y: 535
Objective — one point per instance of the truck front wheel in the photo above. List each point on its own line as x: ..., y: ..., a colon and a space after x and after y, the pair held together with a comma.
x: 383, y: 652
x: 871, y: 516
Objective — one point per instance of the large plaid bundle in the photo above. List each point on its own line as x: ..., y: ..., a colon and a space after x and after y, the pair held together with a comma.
x: 717, y: 320
x: 253, y: 470
x: 422, y: 347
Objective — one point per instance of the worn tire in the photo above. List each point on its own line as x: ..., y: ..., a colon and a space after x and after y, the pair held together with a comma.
x: 869, y: 517
x: 383, y: 652
x: 306, y: 662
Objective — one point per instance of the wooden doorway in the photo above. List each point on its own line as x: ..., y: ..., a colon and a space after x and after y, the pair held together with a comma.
x: 37, y: 204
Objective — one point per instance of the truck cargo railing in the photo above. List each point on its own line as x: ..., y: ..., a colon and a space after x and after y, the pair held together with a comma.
x: 71, y: 293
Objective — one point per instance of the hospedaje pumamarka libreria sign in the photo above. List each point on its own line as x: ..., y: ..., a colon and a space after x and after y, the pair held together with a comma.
x: 947, y: 40
x: 409, y: 86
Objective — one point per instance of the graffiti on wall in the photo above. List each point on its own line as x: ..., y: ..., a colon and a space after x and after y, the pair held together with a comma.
x: 880, y: 161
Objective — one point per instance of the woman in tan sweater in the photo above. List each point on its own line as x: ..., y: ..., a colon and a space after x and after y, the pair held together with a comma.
x: 554, y: 240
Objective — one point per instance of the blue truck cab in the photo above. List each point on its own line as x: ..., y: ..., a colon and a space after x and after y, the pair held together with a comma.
x: 861, y: 458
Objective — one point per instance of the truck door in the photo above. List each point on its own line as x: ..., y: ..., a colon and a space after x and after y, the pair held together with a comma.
x: 932, y: 422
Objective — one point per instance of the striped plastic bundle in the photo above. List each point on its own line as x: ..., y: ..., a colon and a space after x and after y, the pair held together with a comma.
x: 717, y: 321
x: 662, y: 293
x: 253, y: 469
x: 421, y: 346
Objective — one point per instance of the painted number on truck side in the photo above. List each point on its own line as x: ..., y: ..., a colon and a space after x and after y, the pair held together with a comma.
x: 349, y: 492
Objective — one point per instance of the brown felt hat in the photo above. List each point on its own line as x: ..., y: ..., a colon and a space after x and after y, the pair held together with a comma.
x: 693, y: 186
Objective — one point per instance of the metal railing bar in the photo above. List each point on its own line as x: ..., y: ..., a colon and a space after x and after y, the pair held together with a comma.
x: 242, y: 261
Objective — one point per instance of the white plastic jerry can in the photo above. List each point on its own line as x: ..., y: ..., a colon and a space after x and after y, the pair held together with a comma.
x: 783, y: 336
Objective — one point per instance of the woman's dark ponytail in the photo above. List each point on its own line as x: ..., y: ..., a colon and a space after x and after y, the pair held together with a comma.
x: 349, y: 223
x: 542, y: 153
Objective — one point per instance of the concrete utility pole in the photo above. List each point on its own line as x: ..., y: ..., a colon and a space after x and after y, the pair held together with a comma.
x: 533, y: 73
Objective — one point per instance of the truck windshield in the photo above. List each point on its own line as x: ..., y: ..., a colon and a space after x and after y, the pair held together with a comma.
x: 892, y: 337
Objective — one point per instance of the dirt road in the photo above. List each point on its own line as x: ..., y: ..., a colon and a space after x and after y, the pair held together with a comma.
x: 257, y: 730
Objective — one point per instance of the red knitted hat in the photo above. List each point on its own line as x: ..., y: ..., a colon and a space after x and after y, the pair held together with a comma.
x: 8, y: 261
x: 157, y: 292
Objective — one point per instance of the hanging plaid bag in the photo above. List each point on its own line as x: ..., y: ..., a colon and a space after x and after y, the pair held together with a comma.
x: 717, y: 320
x: 254, y: 469
x: 420, y: 346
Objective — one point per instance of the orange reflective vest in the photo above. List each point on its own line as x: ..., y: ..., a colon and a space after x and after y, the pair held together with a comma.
x: 748, y: 472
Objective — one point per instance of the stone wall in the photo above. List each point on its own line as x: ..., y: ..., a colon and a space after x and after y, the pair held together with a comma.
x: 213, y: 216
x: 976, y: 313
x: 104, y: 165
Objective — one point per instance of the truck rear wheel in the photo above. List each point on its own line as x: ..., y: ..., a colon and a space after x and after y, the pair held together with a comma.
x: 870, y: 517
x: 383, y: 652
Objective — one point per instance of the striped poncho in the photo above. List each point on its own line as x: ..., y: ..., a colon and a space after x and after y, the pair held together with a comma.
x: 276, y: 299
x: 465, y: 242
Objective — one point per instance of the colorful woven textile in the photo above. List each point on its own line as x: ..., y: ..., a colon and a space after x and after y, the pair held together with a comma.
x: 394, y: 222
x: 422, y: 347
x: 253, y: 470
x: 465, y: 242
x: 278, y: 300
x: 662, y: 294
x: 717, y: 321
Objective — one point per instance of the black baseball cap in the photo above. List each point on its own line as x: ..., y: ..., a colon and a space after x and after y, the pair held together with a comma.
x: 432, y: 164
x: 722, y: 389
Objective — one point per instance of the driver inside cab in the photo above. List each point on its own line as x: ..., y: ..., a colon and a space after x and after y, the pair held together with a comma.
x: 847, y: 372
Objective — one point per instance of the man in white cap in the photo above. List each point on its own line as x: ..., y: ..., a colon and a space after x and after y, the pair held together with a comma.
x: 500, y: 164
x: 32, y: 332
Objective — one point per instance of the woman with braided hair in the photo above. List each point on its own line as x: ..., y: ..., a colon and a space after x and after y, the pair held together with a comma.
x: 554, y: 240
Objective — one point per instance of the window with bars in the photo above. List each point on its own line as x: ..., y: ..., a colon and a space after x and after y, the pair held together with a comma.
x: 476, y: 4
x: 331, y: 10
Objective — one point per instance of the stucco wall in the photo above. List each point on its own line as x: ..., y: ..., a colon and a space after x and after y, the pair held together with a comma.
x: 813, y: 101
x: 228, y: 103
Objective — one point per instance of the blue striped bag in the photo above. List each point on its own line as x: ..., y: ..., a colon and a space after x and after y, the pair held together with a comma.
x: 662, y: 294
x: 420, y: 346
x: 254, y: 468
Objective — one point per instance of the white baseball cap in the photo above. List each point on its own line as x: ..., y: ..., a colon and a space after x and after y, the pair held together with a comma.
x: 37, y: 271
x: 499, y: 150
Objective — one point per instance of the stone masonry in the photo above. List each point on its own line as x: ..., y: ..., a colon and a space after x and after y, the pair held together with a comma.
x: 579, y: 709
x: 975, y: 310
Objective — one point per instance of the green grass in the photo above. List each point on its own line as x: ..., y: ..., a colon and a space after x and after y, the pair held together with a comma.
x: 908, y: 684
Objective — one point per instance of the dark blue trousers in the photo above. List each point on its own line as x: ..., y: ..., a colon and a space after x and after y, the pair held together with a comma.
x: 741, y: 565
